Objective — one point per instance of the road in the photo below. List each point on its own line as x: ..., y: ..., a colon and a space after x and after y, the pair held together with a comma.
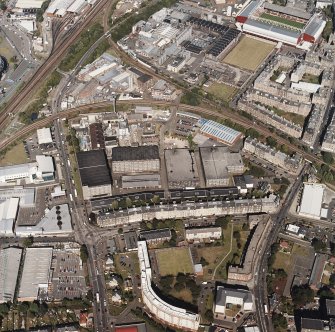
x: 84, y: 234
x: 260, y: 292
x: 59, y: 51
x: 19, y: 39
x: 62, y: 88
x: 219, y: 114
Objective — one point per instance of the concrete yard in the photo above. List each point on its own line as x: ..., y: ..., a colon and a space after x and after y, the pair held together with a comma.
x: 255, y: 49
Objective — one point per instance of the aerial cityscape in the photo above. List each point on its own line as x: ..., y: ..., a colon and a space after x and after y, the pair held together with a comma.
x: 167, y: 165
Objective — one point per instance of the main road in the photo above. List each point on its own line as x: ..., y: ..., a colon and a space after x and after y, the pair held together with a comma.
x: 15, y: 104
x: 260, y: 290
x: 210, y: 112
x: 84, y: 234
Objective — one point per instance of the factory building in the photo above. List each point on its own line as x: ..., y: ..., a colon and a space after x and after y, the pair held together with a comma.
x: 8, y: 213
x: 39, y: 171
x: 28, y: 6
x: 311, y: 201
x: 161, y: 310
x: 10, y: 201
x: 182, y: 171
x: 49, y: 224
x: 35, y: 274
x: 94, y: 174
x: 97, y: 136
x: 130, y: 160
x: 219, y: 132
x: 141, y: 181
x: 219, y: 164
x: 10, y: 259
x: 44, y: 136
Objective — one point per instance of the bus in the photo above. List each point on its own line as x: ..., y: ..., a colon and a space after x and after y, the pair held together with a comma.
x: 97, y: 297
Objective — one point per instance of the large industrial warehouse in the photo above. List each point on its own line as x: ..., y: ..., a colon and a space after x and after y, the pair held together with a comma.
x: 94, y: 174
x: 282, y: 24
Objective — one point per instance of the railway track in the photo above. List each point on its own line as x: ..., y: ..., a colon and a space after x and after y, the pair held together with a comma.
x: 195, y: 109
x: 15, y: 104
x: 55, y: 58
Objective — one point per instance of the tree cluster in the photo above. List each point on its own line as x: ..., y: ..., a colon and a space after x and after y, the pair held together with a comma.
x: 84, y: 253
x: 223, y: 221
x: 301, y: 295
x: 32, y: 111
x: 178, y: 283
x: 279, y: 322
x: 192, y: 97
x: 319, y: 245
x: 124, y: 28
x: 79, y: 48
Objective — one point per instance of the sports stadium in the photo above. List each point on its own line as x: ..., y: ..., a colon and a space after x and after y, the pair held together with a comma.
x: 283, y: 24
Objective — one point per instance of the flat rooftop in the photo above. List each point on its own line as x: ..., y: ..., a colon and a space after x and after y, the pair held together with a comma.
x: 290, y: 11
x: 181, y: 165
x: 219, y: 131
x: 93, y: 168
x: 10, y: 259
x: 128, y: 153
x: 49, y: 223
x: 216, y: 161
x: 311, y: 201
x: 35, y: 272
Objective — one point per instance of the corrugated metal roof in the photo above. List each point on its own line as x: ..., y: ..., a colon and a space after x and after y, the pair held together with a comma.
x: 35, y: 271
x: 314, y: 26
x: 287, y: 10
x: 219, y: 131
x: 311, y: 201
x: 249, y: 8
x: 9, y: 267
x: 272, y: 28
x: 77, y: 6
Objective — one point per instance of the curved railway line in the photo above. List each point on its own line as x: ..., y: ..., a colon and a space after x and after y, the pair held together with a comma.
x: 62, y: 43
x: 196, y: 109
x: 50, y: 64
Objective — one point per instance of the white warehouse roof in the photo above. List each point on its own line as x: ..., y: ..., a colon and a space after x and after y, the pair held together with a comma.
x: 77, y: 6
x: 29, y: 4
x: 218, y: 131
x: 306, y: 87
x: 311, y: 200
x: 45, y: 164
x: 49, y: 224
x: 8, y: 213
x: 10, y: 259
x: 26, y: 195
x: 271, y: 31
x: 44, y: 136
x: 59, y: 5
x: 35, y: 274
